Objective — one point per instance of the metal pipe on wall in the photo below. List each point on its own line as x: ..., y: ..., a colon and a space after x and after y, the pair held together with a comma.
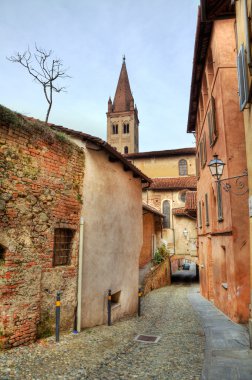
x: 79, y: 292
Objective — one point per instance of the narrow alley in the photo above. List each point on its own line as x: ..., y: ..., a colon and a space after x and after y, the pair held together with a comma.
x: 112, y: 353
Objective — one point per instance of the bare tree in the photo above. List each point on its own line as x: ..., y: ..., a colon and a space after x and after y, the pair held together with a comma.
x: 45, y: 71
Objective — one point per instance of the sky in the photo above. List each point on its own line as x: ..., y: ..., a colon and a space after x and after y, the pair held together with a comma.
x: 91, y: 37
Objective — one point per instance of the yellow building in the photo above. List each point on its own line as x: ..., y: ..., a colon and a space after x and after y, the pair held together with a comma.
x: 173, y: 176
x: 244, y: 63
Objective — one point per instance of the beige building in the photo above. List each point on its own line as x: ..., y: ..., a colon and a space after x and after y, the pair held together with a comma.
x: 243, y: 44
x: 111, y: 231
x: 122, y: 117
x: 173, y: 175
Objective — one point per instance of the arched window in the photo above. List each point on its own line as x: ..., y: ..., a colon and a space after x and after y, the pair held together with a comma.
x: 182, y: 195
x: 182, y: 167
x: 166, y: 212
x: 125, y: 128
x: 126, y: 149
x: 115, y: 129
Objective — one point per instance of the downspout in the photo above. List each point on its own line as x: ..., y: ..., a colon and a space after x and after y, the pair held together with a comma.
x: 79, y: 293
x: 173, y: 229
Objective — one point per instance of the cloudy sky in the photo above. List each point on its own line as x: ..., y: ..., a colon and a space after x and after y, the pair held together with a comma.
x: 91, y: 37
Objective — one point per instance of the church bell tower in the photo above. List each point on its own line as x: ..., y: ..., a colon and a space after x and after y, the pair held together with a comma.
x: 122, y: 117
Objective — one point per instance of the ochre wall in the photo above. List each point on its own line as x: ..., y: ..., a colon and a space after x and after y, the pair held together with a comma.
x: 231, y: 234
x: 247, y: 113
x: 41, y: 184
x: 113, y: 237
x: 164, y: 166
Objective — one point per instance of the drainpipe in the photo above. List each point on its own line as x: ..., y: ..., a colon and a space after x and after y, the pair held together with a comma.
x: 247, y: 35
x: 79, y: 293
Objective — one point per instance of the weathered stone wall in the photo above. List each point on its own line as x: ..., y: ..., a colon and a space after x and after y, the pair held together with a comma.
x: 41, y: 175
x: 158, y: 277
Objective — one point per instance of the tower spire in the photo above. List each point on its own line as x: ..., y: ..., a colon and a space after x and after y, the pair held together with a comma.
x: 123, y: 96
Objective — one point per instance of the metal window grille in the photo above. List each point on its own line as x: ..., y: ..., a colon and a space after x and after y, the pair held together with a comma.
x: 207, y: 210
x: 182, y: 167
x: 166, y: 212
x: 62, y: 246
x: 242, y: 78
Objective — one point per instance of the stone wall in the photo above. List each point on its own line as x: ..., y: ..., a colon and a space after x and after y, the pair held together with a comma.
x: 158, y: 277
x: 41, y: 175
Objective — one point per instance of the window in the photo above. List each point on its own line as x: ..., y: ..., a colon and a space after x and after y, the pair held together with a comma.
x: 197, y: 166
x: 125, y: 128
x: 203, y: 151
x: 210, y: 68
x: 182, y: 167
x: 115, y: 129
x: 211, y: 120
x: 219, y: 202
x: 166, y: 212
x: 242, y: 78
x: 2, y: 254
x: 200, y: 216
x: 126, y: 150
x: 207, y: 210
x: 182, y: 195
x: 62, y: 246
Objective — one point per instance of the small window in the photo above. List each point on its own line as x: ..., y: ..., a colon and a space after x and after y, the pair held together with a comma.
x: 182, y: 167
x: 115, y: 299
x: 207, y: 210
x: 125, y: 128
x: 126, y: 150
x: 182, y: 195
x: 211, y: 120
x: 115, y: 129
x: 62, y: 246
x: 200, y: 216
x: 242, y: 78
x: 166, y: 212
x: 2, y: 254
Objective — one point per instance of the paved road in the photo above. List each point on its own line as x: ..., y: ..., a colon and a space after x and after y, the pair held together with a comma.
x: 111, y: 353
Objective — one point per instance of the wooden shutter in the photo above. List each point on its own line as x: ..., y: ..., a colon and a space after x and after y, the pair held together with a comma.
x: 207, y: 209
x: 200, y: 216
x: 242, y: 78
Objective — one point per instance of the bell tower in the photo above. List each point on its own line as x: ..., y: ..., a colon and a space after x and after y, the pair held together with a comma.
x: 122, y: 117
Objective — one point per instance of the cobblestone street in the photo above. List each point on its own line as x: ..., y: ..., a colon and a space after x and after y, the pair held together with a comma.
x: 111, y: 352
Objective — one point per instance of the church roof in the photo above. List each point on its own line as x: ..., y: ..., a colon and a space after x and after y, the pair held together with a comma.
x: 177, y: 183
x: 123, y: 96
x: 162, y: 153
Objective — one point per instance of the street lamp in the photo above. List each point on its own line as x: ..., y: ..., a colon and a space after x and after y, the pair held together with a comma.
x: 216, y: 167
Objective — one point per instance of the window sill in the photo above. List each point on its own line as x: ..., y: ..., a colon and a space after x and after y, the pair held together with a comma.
x: 115, y: 306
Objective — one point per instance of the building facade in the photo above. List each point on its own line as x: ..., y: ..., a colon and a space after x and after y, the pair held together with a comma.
x: 243, y: 35
x: 122, y: 117
x: 214, y: 116
x: 173, y: 175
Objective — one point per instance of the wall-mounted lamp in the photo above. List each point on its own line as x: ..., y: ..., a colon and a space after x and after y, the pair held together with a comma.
x: 216, y: 167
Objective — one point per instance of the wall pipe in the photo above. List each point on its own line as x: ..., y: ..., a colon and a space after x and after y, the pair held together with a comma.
x: 79, y: 291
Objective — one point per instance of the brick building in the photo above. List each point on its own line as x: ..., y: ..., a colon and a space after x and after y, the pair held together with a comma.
x: 60, y: 229
x: 215, y: 118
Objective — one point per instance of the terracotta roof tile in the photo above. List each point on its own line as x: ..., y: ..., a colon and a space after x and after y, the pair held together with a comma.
x: 162, y: 153
x: 152, y: 209
x: 179, y: 211
x: 174, y: 183
x: 191, y: 201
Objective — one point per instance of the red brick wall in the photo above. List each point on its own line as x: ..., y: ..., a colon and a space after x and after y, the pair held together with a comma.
x: 159, y: 277
x: 41, y: 176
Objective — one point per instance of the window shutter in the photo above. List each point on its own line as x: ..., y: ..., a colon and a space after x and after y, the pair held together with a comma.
x: 214, y: 126
x: 210, y: 127
x: 219, y: 202
x: 207, y: 210
x: 242, y: 78
x: 200, y: 216
x: 204, y: 149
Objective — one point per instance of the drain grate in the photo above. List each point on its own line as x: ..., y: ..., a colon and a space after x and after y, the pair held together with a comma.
x: 147, y: 338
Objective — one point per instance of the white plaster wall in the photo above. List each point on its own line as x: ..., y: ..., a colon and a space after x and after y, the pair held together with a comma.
x: 112, y: 210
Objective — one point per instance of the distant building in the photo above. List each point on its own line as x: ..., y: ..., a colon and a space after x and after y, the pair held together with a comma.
x: 122, y: 117
x: 215, y: 118
x: 173, y: 176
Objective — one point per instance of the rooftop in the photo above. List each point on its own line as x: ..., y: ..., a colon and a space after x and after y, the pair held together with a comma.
x: 178, y: 183
x: 162, y: 153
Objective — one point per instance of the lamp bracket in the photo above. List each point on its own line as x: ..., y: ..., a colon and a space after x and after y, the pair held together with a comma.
x: 240, y: 186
